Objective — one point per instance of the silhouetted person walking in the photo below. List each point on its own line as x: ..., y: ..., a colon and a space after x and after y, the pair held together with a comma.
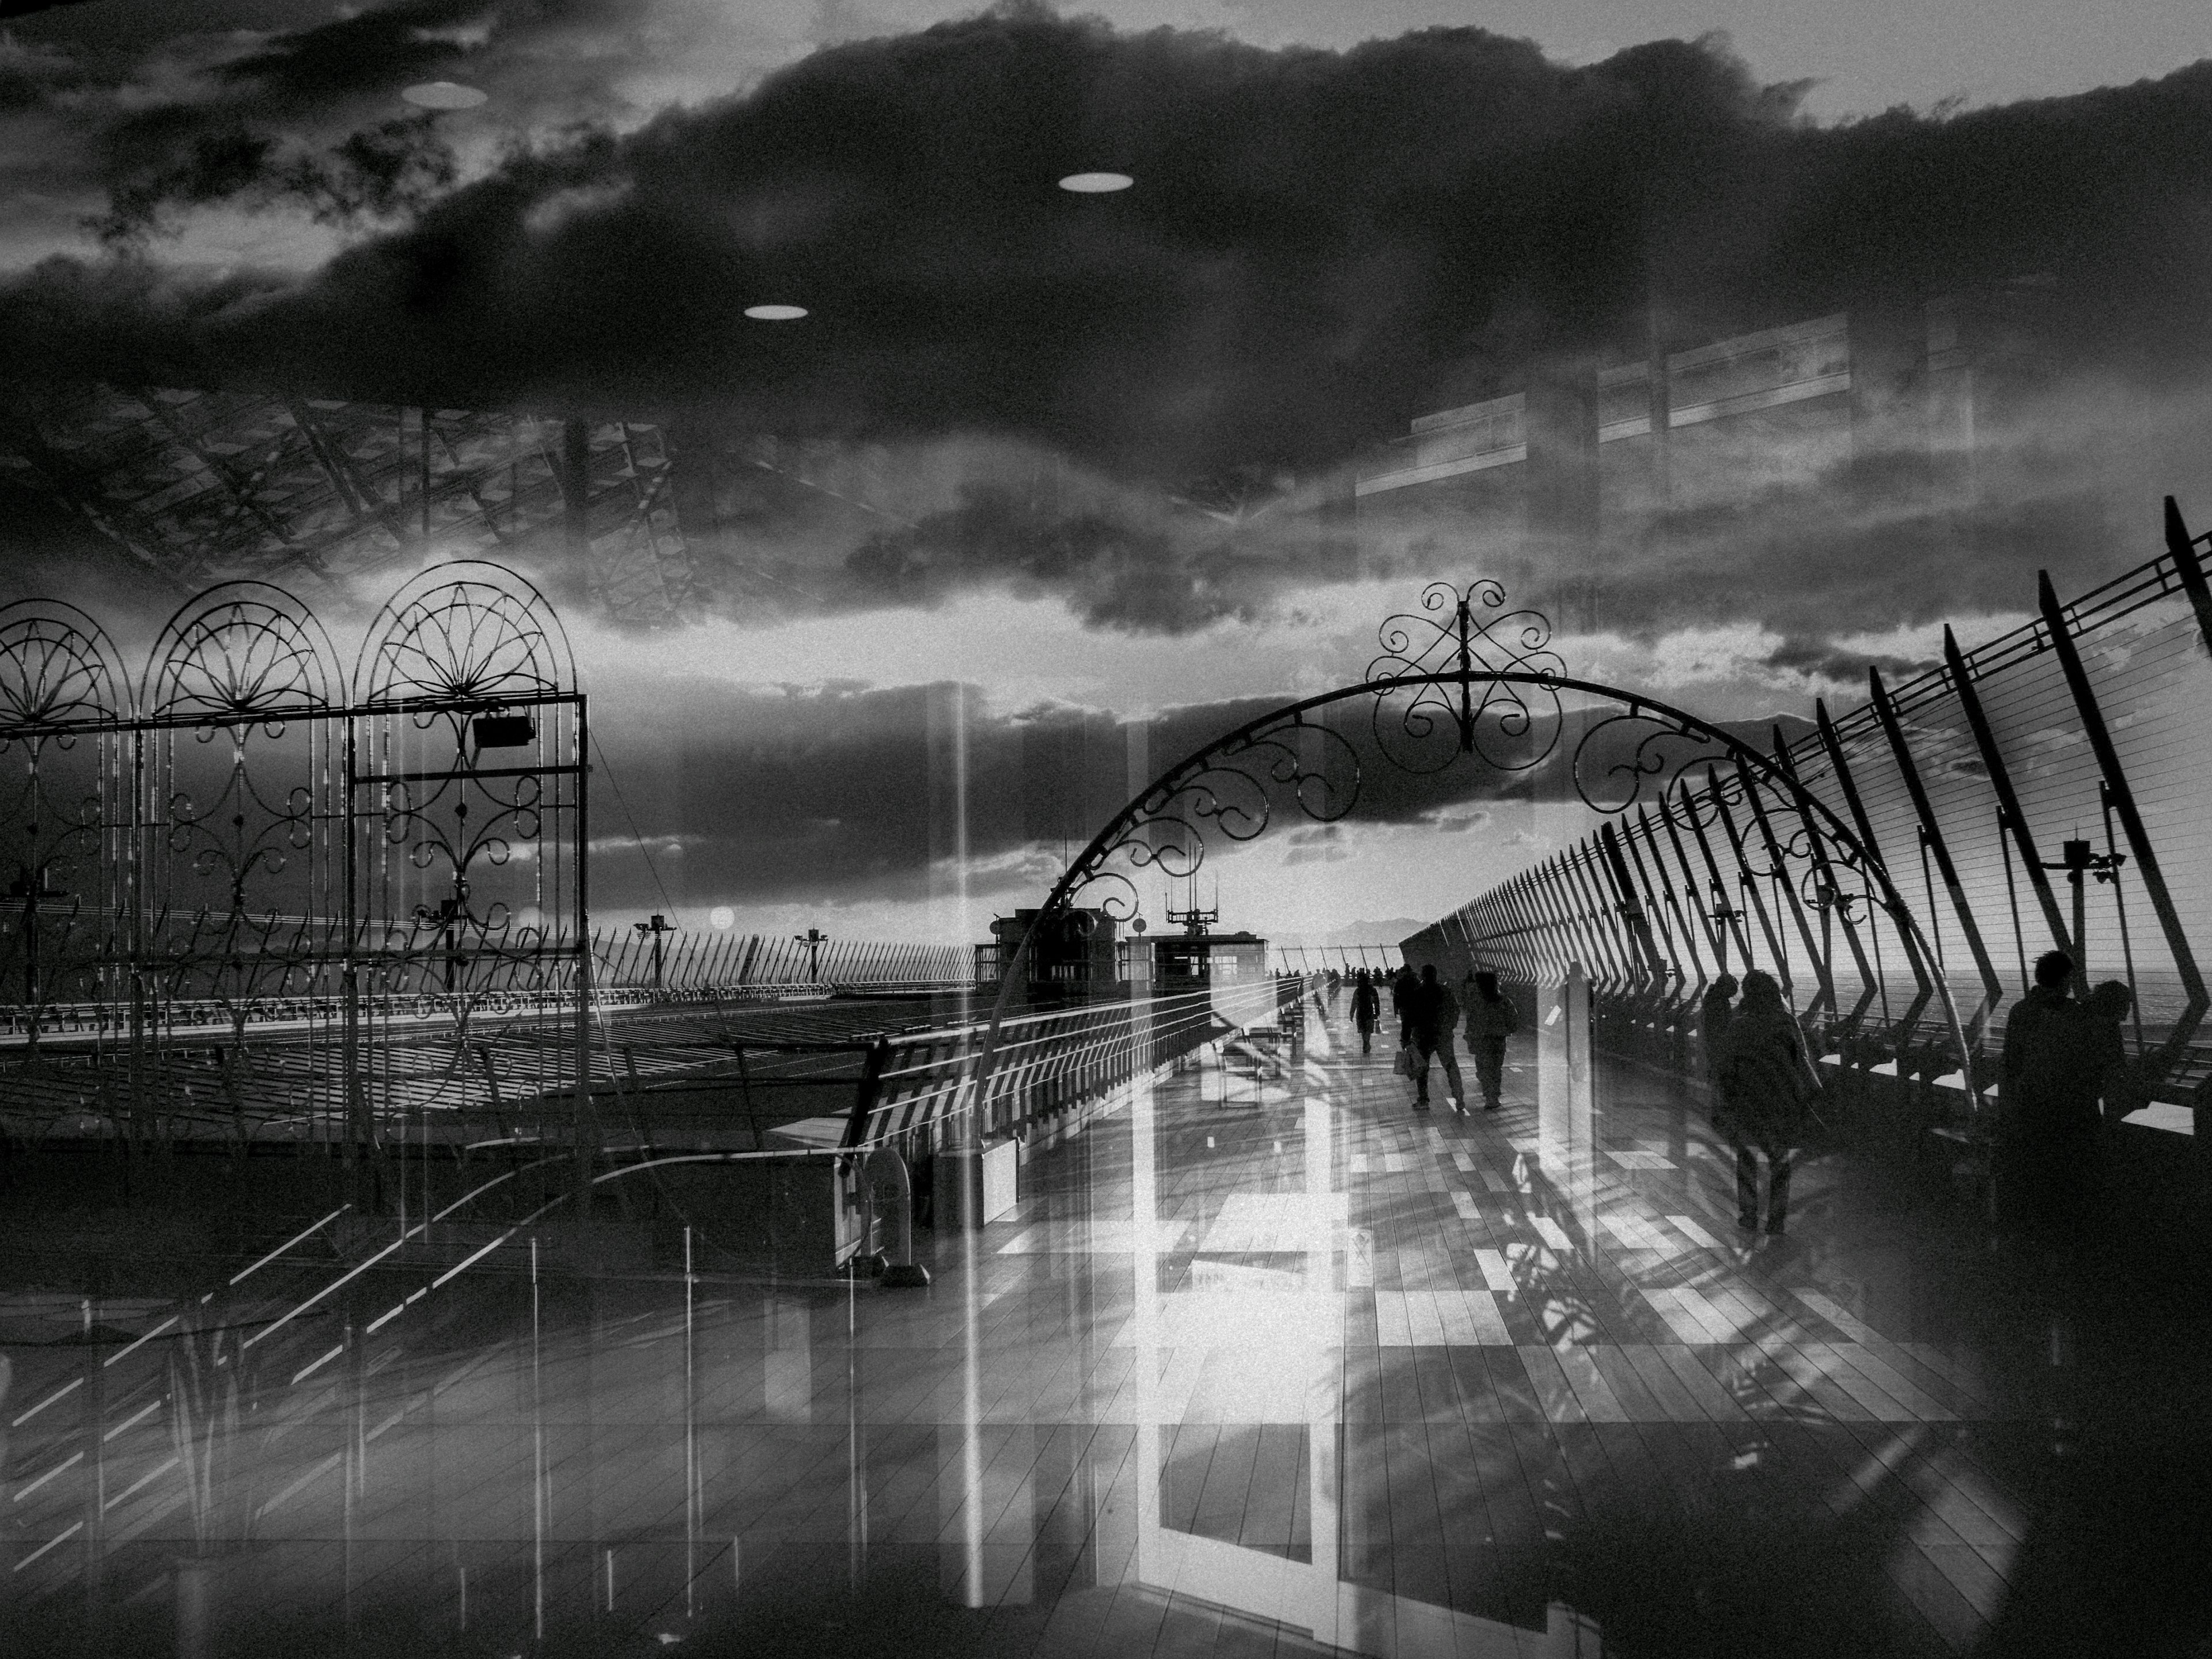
x: 1714, y: 1009
x: 1433, y: 1013
x: 1763, y: 1084
x: 2052, y: 1067
x: 1366, y: 1011
x: 1491, y: 1019
x: 1403, y: 984
x: 1432, y: 1016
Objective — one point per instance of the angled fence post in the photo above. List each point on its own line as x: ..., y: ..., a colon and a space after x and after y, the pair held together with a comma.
x: 1629, y: 906
x: 1749, y: 884
x: 1924, y: 986
x: 1833, y: 902
x: 1932, y: 835
x: 2123, y: 804
x: 2181, y: 547
x: 1824, y: 993
x: 1985, y: 744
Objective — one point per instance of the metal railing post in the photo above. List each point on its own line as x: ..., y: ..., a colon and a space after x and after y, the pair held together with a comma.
x: 2124, y: 805
x: 1932, y: 835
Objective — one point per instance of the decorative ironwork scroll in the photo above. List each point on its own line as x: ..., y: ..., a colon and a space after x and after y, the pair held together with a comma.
x: 220, y: 880
x: 1465, y: 676
x: 1294, y: 757
x: 466, y: 771
x: 240, y: 854
x: 1423, y: 725
x: 1231, y: 788
x: 61, y: 689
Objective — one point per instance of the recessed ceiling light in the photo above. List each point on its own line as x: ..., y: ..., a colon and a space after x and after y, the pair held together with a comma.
x: 775, y: 314
x: 444, y: 95
x: 1096, y: 184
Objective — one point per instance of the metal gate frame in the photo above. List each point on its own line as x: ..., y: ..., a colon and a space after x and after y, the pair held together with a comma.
x: 329, y: 877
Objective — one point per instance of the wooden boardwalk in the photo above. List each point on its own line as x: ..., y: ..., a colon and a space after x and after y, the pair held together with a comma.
x: 1255, y: 1366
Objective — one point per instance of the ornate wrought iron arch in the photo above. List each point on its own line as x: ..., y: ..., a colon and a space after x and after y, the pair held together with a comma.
x: 64, y: 851
x: 469, y: 632
x: 1433, y: 696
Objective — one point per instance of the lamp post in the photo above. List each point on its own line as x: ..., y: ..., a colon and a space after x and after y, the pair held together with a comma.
x: 447, y: 920
x: 814, y: 938
x: 1725, y: 918
x: 655, y: 929
x: 30, y: 886
x: 2078, y: 859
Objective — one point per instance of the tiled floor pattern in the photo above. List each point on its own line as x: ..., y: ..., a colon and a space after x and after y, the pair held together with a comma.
x: 1412, y: 1357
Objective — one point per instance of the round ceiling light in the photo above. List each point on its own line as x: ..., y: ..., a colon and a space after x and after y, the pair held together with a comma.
x: 775, y: 314
x: 444, y: 95
x: 1096, y: 184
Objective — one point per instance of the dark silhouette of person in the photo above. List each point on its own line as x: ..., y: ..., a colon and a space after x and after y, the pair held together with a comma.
x: 1433, y: 1016
x: 1713, y: 1011
x: 2047, y: 1103
x: 1491, y: 1019
x: 2118, y: 1086
x: 1366, y: 1010
x: 1403, y: 983
x: 1763, y: 1084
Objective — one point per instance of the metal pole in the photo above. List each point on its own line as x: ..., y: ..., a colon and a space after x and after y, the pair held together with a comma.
x: 1924, y: 987
x: 585, y: 1135
x: 1629, y: 907
x: 2122, y: 801
x: 1986, y: 743
x: 1931, y: 833
x: 1715, y: 933
x: 1747, y: 884
x: 2181, y: 547
x: 355, y: 1102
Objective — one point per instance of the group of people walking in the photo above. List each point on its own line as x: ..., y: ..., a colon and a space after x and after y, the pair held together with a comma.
x: 2062, y: 1057
x: 1428, y: 1017
x: 1763, y: 1088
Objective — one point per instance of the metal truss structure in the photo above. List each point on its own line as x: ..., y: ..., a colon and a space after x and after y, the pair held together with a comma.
x: 204, y: 486
x: 2080, y: 734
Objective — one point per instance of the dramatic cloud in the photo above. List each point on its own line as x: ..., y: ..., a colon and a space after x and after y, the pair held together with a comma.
x: 1124, y: 563
x: 395, y: 167
x: 760, y: 796
x: 1319, y: 244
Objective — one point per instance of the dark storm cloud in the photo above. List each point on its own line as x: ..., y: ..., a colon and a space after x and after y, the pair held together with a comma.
x: 377, y: 49
x: 394, y: 166
x: 163, y: 120
x: 1312, y: 235
x: 1821, y: 660
x: 1116, y: 565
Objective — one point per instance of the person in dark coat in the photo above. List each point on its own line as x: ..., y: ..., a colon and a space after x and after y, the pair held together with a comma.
x: 1403, y: 984
x: 1713, y: 1011
x: 1433, y: 1016
x: 1366, y: 1010
x: 1763, y: 1085
x: 2052, y: 1068
x: 1491, y: 1019
x: 2118, y: 1086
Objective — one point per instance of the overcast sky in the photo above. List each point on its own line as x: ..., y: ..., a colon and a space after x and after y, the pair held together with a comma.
x: 1336, y: 227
